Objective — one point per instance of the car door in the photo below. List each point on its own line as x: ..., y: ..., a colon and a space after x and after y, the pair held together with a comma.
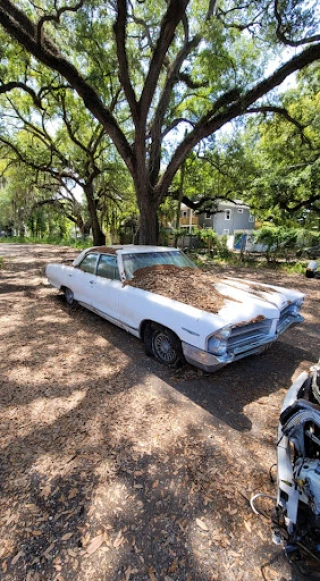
x: 106, y: 288
x: 82, y: 279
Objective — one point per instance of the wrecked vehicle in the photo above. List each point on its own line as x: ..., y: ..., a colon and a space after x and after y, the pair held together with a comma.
x: 313, y: 270
x: 311, y: 252
x: 181, y: 314
x: 297, y: 515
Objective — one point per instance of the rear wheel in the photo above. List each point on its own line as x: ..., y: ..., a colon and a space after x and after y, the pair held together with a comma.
x: 69, y: 296
x: 164, y: 345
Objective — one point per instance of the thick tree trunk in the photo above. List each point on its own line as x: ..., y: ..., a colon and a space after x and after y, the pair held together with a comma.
x: 98, y: 236
x: 148, y: 232
x: 85, y: 230
x: 148, y: 226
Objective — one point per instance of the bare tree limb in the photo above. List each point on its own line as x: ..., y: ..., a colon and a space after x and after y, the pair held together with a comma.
x: 158, y: 120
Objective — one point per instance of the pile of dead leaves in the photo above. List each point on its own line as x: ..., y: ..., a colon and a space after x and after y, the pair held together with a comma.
x: 187, y: 285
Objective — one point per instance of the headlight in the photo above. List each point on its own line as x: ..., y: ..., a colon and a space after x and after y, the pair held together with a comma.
x: 296, y: 307
x: 218, y: 343
x: 223, y: 333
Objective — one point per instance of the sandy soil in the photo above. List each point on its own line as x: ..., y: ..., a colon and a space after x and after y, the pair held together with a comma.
x: 113, y: 467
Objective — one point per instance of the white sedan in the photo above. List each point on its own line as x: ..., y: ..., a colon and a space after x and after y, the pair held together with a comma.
x: 251, y: 315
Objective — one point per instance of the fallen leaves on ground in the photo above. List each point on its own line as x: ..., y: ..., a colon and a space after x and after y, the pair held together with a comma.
x: 115, y: 468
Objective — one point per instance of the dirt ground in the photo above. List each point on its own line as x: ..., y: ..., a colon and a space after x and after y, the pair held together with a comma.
x: 114, y: 467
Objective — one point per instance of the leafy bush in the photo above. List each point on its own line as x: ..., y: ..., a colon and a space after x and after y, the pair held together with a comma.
x: 277, y: 240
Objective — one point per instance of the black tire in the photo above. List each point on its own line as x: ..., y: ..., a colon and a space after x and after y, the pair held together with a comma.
x: 309, y: 273
x: 69, y: 296
x: 163, y: 345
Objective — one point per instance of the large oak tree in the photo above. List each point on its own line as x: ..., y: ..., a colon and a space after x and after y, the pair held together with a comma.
x: 179, y: 64
x: 52, y: 134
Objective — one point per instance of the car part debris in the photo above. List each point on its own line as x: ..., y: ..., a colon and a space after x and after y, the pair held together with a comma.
x: 297, y: 513
x: 312, y: 270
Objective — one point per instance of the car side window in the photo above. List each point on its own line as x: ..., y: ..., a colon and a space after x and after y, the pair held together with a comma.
x: 108, y: 267
x: 89, y: 262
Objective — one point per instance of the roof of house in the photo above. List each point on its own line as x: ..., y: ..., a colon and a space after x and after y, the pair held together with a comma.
x: 225, y: 203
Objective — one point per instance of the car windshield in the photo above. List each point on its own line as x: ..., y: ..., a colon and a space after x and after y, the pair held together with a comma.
x: 133, y: 261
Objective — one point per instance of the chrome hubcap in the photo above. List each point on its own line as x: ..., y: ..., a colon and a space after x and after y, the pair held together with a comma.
x: 163, y: 348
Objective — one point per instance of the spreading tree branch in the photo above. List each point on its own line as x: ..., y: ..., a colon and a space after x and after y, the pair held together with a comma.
x: 124, y: 77
x: 283, y: 113
x: 281, y: 31
x: 7, y: 87
x: 230, y: 107
x: 55, y: 17
x: 21, y: 27
x: 173, y: 16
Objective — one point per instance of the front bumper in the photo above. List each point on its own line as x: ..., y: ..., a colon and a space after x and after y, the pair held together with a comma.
x: 205, y: 360
x: 210, y: 362
x: 289, y: 321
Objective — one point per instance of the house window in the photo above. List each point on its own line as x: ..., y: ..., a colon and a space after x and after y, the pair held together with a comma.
x: 208, y: 215
x: 226, y: 232
x: 240, y: 210
x: 184, y: 214
x: 251, y: 218
x: 227, y: 214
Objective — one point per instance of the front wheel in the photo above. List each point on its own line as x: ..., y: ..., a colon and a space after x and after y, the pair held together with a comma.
x: 164, y: 345
x: 69, y: 296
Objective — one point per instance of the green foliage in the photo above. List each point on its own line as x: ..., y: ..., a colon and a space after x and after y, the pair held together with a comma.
x: 208, y: 235
x: 285, y: 174
x: 125, y: 94
x: 276, y: 240
x: 294, y: 267
x: 79, y: 243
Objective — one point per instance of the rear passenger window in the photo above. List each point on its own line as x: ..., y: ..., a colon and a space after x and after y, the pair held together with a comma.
x: 89, y: 263
x: 108, y: 267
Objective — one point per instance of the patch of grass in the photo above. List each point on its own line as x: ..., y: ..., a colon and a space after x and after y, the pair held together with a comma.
x: 248, y: 261
x: 1, y: 262
x: 13, y: 240
x: 294, y: 267
x: 78, y: 243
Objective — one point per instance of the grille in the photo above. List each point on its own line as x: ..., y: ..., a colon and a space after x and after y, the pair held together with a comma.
x: 246, y: 337
x: 287, y: 316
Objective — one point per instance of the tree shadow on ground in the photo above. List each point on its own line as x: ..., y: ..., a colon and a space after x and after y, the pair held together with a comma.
x: 111, y: 487
x: 113, y: 457
x: 116, y: 511
x: 226, y: 394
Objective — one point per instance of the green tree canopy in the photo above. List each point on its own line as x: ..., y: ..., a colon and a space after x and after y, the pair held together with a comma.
x: 285, y: 155
x: 55, y: 136
x: 162, y: 78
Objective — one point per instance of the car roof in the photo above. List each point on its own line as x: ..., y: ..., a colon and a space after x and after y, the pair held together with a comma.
x: 125, y: 248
